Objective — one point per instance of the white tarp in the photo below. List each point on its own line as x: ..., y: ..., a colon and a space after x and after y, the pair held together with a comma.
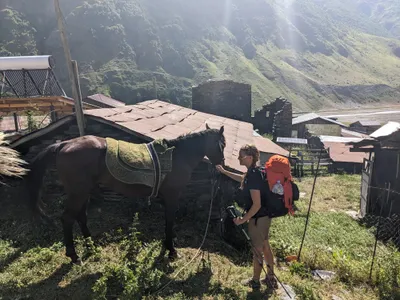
x: 40, y: 62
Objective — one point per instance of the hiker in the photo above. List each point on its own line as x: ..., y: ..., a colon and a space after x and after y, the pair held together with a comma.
x: 253, y: 188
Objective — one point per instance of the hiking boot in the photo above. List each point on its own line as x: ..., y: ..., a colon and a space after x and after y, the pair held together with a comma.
x: 270, y: 282
x: 254, y: 284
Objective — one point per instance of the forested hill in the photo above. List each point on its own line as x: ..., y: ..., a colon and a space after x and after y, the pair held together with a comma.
x: 317, y: 53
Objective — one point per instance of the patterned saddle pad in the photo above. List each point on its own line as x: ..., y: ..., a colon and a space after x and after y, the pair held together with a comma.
x: 133, y: 163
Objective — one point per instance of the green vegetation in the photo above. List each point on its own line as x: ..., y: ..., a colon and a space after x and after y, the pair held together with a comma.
x: 125, y: 263
x: 317, y: 53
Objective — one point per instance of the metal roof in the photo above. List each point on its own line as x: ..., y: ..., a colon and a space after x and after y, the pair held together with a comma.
x: 158, y: 119
x: 289, y: 140
x: 105, y: 100
x: 349, y: 133
x: 264, y: 143
x: 313, y: 116
x: 340, y: 152
x: 154, y: 119
x: 386, y: 130
x: 367, y: 123
x: 338, y: 139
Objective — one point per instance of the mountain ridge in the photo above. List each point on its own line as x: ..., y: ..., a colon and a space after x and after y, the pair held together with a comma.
x: 317, y: 54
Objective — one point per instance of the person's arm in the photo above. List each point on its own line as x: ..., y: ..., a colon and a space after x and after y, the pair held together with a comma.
x: 234, y: 176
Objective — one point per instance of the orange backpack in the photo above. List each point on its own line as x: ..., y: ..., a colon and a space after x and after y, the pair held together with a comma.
x: 278, y: 168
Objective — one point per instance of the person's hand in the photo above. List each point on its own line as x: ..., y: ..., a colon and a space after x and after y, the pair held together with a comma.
x: 239, y: 221
x: 220, y: 169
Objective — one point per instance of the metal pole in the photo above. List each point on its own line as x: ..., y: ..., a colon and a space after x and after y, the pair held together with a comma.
x: 309, y: 206
x: 78, y: 104
x: 377, y: 230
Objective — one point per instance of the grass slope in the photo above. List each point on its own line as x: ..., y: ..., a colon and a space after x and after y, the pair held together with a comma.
x: 126, y: 262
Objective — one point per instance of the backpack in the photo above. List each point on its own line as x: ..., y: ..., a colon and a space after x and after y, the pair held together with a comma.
x: 278, y: 168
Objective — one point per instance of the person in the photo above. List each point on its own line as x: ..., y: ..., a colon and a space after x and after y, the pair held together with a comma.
x: 253, y: 187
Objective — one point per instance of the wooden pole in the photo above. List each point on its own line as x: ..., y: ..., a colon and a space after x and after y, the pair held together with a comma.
x: 75, y: 94
x: 16, y: 122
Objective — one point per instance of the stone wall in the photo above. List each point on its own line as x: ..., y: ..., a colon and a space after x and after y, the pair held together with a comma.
x: 194, y: 201
x: 224, y: 98
x: 274, y: 118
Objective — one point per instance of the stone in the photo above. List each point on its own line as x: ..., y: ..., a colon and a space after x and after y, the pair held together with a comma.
x: 323, y: 275
x: 275, y: 118
x: 353, y: 214
x: 224, y: 98
x: 283, y: 295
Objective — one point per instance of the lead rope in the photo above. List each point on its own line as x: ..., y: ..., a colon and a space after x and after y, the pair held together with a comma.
x: 214, y: 190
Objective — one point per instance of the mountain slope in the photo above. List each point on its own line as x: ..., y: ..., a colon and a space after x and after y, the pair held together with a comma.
x: 318, y: 54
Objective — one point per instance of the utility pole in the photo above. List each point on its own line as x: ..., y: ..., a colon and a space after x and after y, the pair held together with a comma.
x: 73, y: 77
x: 155, y: 88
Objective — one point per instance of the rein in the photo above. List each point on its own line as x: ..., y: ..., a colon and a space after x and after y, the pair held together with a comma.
x: 215, y: 186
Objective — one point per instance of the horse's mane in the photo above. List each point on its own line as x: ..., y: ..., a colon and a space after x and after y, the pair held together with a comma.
x: 193, y: 136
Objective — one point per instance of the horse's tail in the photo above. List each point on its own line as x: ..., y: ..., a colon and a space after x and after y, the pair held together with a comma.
x: 35, y: 176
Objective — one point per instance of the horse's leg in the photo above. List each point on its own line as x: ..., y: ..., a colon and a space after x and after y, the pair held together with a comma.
x: 82, y: 221
x: 171, y: 205
x: 71, y: 212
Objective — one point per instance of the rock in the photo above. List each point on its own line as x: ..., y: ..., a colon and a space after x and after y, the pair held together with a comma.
x: 283, y: 295
x: 323, y: 275
x: 353, y: 214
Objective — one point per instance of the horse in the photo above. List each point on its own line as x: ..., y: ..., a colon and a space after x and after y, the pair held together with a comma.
x: 10, y: 162
x: 80, y: 164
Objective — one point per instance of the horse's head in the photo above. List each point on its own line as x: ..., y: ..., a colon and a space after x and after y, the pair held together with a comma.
x: 215, y: 145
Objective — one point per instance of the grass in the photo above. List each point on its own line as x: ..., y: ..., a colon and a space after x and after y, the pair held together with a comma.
x: 126, y: 262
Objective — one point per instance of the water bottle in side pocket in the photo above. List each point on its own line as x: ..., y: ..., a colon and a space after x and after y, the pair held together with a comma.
x: 278, y: 188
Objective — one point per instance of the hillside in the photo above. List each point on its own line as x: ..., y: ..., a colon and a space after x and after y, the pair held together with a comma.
x: 317, y: 53
x: 126, y: 262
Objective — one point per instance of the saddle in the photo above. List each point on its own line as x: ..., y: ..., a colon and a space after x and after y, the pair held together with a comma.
x: 145, y: 163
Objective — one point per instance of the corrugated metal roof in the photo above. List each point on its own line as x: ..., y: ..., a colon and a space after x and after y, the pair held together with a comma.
x: 264, y: 143
x: 338, y: 139
x: 312, y: 116
x: 386, y: 130
x: 367, y: 123
x: 105, y: 100
x: 290, y: 140
x: 340, y: 152
x: 159, y: 119
x: 349, y: 133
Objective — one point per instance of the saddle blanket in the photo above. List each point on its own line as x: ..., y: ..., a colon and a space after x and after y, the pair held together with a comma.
x: 146, y: 164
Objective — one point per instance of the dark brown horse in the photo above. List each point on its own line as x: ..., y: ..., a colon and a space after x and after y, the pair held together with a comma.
x: 80, y: 163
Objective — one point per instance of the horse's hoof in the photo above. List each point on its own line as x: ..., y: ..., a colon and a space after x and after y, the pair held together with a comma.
x: 173, y: 256
x: 76, y: 260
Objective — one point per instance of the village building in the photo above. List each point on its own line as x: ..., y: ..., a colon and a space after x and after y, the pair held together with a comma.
x: 300, y: 123
x: 143, y: 122
x: 365, y: 126
x: 274, y: 118
x: 225, y: 98
x: 339, y: 154
x: 102, y: 101
x: 381, y: 172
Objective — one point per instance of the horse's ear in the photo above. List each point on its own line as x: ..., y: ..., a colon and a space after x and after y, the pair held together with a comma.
x: 207, y: 127
x: 221, y: 131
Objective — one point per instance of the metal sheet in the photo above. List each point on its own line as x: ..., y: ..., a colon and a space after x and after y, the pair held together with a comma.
x: 287, y: 140
x: 40, y: 62
x: 387, y: 129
